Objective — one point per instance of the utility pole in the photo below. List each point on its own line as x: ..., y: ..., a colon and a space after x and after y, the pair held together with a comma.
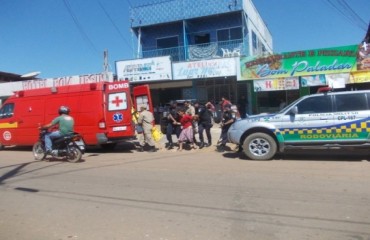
x: 105, y: 65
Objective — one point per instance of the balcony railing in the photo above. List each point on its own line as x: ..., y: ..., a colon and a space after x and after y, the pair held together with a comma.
x: 201, y: 51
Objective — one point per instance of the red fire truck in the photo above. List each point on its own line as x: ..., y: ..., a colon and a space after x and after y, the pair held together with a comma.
x: 102, y: 112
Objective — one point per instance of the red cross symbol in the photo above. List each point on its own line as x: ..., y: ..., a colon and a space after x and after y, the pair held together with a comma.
x: 117, y: 101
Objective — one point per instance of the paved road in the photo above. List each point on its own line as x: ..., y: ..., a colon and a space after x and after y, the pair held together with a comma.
x: 199, y: 194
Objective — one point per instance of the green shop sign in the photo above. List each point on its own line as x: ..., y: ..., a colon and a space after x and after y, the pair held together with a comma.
x: 300, y: 63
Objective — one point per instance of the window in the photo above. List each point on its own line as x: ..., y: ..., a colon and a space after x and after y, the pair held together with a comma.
x: 263, y: 48
x: 202, y: 38
x: 351, y: 102
x: 223, y: 35
x: 320, y: 104
x: 168, y: 42
x: 254, y: 40
x: 236, y: 33
x: 7, y: 111
x: 229, y: 34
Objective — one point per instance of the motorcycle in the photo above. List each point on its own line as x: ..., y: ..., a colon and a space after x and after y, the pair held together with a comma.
x: 71, y: 147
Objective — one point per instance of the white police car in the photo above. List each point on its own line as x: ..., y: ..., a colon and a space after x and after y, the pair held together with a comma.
x: 328, y: 120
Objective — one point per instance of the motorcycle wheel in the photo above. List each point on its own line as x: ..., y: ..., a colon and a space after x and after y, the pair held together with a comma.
x: 74, y: 155
x: 38, y: 150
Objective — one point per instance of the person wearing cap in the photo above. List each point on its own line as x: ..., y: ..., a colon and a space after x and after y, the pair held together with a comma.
x: 146, y: 119
x: 228, y: 118
x: 65, y: 124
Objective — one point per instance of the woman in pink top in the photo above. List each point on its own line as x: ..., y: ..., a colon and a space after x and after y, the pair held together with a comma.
x: 186, y: 134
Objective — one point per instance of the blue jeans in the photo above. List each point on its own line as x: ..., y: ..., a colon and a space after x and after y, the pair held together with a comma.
x: 49, y: 137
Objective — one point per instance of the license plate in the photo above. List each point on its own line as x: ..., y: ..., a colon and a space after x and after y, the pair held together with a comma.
x: 122, y: 128
x: 81, y: 144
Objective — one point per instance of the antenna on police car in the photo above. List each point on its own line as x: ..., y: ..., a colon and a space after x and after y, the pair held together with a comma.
x: 30, y: 75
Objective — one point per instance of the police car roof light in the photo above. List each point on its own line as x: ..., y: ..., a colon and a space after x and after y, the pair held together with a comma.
x: 324, y: 90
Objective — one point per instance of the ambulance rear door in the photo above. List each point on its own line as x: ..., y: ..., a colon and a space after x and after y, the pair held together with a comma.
x: 141, y: 96
x: 118, y: 116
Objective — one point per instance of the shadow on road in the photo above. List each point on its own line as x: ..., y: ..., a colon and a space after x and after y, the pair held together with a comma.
x: 311, y: 155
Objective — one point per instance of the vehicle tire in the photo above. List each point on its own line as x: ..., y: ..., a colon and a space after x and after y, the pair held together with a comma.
x: 74, y: 155
x: 259, y: 146
x: 38, y: 151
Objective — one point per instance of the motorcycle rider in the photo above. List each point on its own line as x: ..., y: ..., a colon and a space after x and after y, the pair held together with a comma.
x: 65, y: 125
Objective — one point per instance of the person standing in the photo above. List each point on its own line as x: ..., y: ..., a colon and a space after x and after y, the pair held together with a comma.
x: 242, y: 106
x: 173, y: 126
x: 228, y: 118
x: 205, y: 124
x: 145, y: 120
x: 186, y: 134
x: 189, y: 109
x: 224, y: 102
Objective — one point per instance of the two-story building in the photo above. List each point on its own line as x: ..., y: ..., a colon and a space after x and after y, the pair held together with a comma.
x: 190, y: 49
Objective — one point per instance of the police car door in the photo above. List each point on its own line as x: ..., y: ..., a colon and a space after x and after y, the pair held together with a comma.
x: 310, y: 124
x: 352, y: 117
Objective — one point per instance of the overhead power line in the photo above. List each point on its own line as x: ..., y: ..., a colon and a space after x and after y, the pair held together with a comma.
x: 79, y: 26
x: 346, y: 11
x: 114, y: 25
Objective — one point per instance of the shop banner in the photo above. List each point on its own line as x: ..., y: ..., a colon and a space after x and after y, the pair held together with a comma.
x: 145, y: 69
x: 300, y: 63
x: 360, y: 77
x: 337, y: 80
x: 7, y: 89
x: 314, y: 80
x: 205, y: 69
x: 277, y: 84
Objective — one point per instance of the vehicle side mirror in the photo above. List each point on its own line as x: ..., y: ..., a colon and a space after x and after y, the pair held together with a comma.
x: 293, y: 110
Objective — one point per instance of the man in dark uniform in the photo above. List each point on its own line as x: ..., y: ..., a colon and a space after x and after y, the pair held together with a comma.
x: 205, y: 124
x: 173, y: 125
x: 228, y: 118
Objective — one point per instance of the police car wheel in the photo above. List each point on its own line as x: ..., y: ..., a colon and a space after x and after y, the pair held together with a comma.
x: 259, y: 146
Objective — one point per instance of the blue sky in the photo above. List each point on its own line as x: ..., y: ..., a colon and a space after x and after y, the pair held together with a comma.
x: 68, y: 37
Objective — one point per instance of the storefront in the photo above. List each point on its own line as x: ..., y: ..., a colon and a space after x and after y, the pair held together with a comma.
x: 282, y: 78
x: 205, y: 80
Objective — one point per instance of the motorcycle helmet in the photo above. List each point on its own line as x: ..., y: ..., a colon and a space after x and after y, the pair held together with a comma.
x: 64, y: 110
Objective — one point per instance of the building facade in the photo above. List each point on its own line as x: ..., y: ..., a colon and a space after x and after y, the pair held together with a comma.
x: 203, y: 41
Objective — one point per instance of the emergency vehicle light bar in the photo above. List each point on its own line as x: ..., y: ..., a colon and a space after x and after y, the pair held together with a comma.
x: 20, y: 94
x: 324, y: 90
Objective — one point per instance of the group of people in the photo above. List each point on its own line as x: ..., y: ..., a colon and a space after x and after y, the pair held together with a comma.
x: 198, y: 119
x: 186, y: 122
